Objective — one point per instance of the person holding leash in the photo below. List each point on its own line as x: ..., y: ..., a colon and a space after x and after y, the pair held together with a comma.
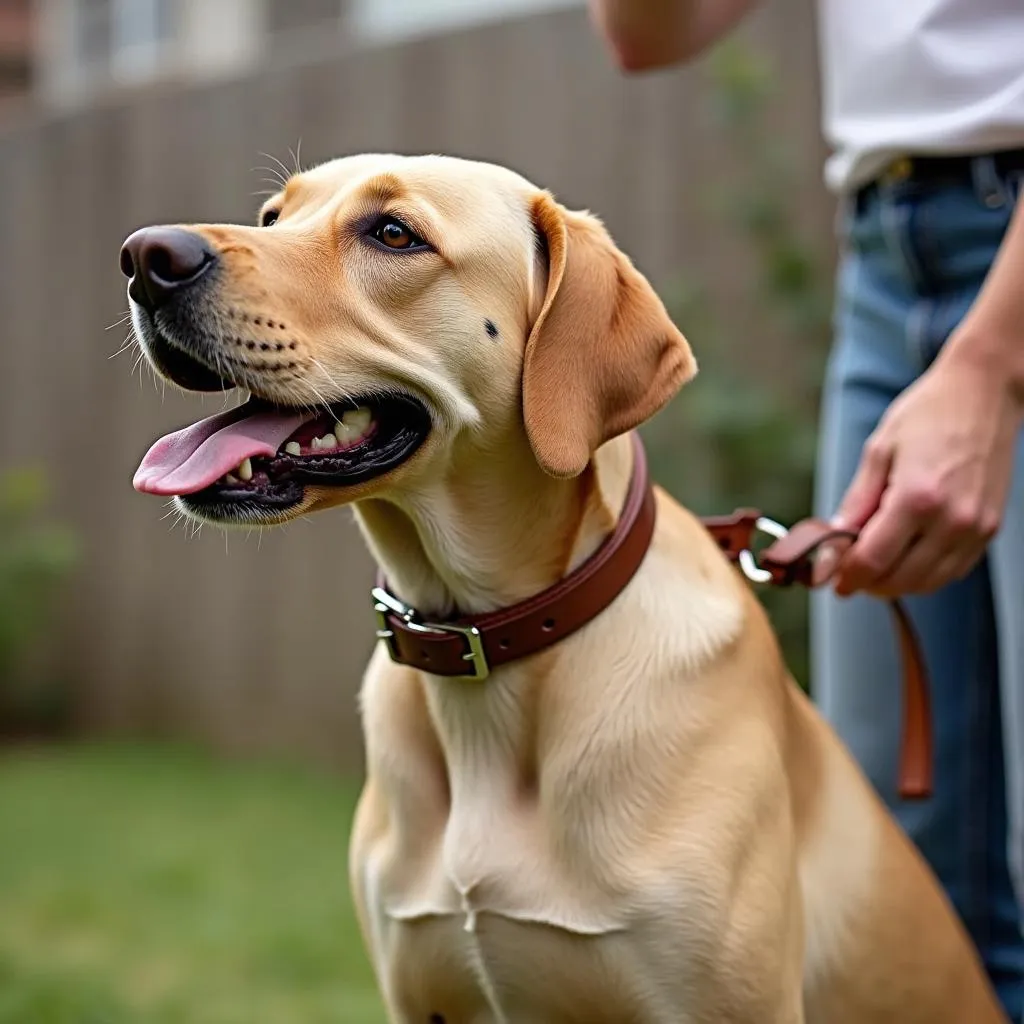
x: 921, y: 447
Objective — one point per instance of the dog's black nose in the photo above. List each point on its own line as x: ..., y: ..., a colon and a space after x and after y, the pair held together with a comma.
x: 161, y: 261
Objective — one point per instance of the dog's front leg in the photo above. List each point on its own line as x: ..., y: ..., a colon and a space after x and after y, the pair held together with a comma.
x: 370, y: 818
x: 760, y: 972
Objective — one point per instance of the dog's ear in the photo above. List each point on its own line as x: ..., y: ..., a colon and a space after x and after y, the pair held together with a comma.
x: 603, y: 354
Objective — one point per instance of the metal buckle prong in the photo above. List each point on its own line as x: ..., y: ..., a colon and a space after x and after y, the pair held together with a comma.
x: 476, y: 655
x: 748, y: 563
x: 385, y: 603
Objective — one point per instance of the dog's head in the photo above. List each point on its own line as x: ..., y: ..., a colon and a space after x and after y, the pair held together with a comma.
x: 386, y: 311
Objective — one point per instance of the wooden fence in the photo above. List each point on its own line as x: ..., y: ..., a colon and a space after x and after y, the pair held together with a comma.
x: 258, y: 643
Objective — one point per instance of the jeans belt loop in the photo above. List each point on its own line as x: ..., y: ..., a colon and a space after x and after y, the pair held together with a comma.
x: 987, y: 183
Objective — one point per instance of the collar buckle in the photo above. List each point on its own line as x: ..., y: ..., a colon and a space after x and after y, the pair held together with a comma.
x: 385, y: 604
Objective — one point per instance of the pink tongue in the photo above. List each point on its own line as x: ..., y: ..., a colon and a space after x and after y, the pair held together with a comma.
x: 195, y: 457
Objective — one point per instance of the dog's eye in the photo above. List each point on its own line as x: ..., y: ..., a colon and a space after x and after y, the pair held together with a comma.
x: 269, y: 217
x: 394, y: 234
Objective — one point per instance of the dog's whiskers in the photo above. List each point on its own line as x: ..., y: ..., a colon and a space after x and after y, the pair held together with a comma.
x: 137, y: 365
x: 277, y: 160
x: 275, y: 182
x: 275, y: 175
x: 284, y: 171
x: 321, y: 400
x: 342, y: 393
x: 180, y: 518
x: 130, y: 339
x: 117, y: 323
x: 296, y: 156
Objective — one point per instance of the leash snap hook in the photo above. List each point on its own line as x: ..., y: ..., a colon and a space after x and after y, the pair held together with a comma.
x: 747, y: 561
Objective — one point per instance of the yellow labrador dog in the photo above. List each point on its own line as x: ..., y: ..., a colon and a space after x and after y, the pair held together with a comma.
x: 644, y: 821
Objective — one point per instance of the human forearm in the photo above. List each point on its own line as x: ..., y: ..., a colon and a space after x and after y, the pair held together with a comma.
x: 990, y: 340
x: 648, y: 34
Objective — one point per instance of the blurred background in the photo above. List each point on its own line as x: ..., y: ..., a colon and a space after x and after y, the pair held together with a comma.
x: 179, y: 745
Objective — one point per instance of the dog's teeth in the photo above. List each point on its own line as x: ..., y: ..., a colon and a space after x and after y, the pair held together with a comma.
x: 357, y: 420
x: 245, y: 470
x: 328, y: 441
x: 293, y: 448
x: 355, y: 423
x: 231, y: 479
x: 315, y: 443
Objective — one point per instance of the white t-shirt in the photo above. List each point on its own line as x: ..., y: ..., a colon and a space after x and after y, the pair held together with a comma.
x: 918, y: 77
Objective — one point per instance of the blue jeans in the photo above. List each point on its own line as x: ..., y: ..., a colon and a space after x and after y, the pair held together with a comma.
x: 913, y: 259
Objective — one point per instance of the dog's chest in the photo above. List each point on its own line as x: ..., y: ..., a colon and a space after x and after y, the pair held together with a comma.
x: 502, y: 904
x: 501, y: 847
x: 484, y: 921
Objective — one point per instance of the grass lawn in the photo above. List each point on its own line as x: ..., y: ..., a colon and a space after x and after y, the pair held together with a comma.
x: 150, y: 884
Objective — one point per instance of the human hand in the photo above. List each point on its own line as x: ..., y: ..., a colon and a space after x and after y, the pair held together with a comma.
x: 933, y: 480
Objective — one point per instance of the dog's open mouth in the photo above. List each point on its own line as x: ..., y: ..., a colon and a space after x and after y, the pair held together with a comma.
x: 259, y: 457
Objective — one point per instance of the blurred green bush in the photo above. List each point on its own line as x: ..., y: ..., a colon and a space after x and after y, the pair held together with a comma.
x: 35, y: 557
x: 738, y: 437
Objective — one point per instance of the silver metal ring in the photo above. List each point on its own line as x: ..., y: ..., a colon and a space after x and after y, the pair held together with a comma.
x: 748, y: 563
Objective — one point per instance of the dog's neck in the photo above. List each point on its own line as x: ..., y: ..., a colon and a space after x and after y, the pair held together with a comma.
x: 494, y: 531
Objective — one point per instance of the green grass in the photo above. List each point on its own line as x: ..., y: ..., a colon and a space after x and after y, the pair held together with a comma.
x: 151, y: 885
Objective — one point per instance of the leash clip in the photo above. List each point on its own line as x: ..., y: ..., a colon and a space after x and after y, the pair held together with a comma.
x: 747, y: 561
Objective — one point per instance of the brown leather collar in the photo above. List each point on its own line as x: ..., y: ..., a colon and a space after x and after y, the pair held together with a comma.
x: 473, y: 646
x: 470, y: 647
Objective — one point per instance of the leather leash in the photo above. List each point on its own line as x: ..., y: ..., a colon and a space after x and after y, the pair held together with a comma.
x: 791, y: 559
x: 471, y: 647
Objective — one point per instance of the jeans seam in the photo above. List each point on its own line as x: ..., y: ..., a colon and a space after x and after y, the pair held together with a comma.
x: 936, y: 332
x: 840, y: 355
x: 895, y: 220
x: 916, y: 334
x: 978, y: 847
x: 923, y: 241
x: 1013, y: 754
